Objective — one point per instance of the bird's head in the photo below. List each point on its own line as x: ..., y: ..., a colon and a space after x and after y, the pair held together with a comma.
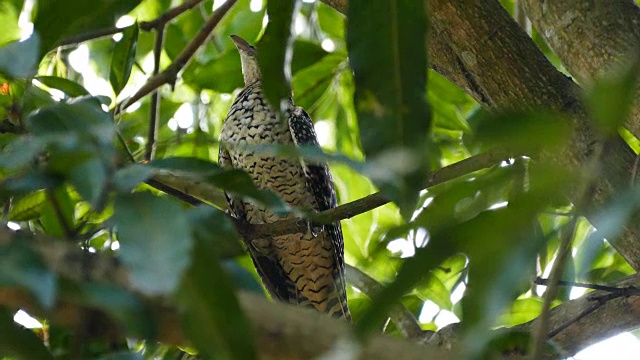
x: 248, y: 56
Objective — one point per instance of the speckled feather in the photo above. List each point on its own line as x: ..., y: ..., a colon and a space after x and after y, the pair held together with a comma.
x: 297, y: 268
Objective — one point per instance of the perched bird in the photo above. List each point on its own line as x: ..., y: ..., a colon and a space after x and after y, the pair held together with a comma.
x: 305, y: 268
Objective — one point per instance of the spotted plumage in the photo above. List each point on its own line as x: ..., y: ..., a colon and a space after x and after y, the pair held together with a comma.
x: 305, y: 268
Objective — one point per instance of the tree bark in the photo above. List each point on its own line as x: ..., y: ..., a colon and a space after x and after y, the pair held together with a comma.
x: 286, y: 332
x: 281, y: 331
x: 592, y: 38
x: 479, y: 47
x: 602, y: 318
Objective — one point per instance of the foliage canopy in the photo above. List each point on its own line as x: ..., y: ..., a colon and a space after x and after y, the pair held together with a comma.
x: 95, y: 159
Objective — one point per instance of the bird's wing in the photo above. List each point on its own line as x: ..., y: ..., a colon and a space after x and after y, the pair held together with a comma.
x: 320, y: 184
x: 270, y: 271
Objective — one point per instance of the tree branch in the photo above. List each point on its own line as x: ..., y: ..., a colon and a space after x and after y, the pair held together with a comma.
x: 597, y: 318
x: 591, y: 38
x: 400, y: 315
x: 168, y: 16
x: 368, y: 203
x: 170, y: 74
x: 542, y: 324
x: 479, y: 47
x: 286, y: 332
x: 154, y: 109
x: 145, y: 25
x: 281, y: 331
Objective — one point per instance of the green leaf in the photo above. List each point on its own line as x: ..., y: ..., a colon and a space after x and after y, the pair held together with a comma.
x: 610, y: 221
x: 70, y: 88
x: 19, y: 343
x: 523, y: 131
x: 305, y: 54
x: 390, y: 73
x: 127, y: 178
x: 207, y: 221
x: 331, y: 21
x: 83, y: 116
x: 33, y: 97
x: 433, y: 289
x: 123, y: 57
x: 59, y: 19
x: 9, y: 30
x: 221, y: 74
x: 28, y: 207
x: 118, y: 303
x: 240, y: 183
x: 211, y: 316
x: 20, y: 152
x: 275, y: 51
x: 80, y: 136
x: 231, y: 180
x: 89, y: 178
x: 21, y: 266
x: 155, y: 241
x: 610, y: 98
x: 521, y: 311
x: 239, y: 21
x: 187, y: 165
x: 53, y: 216
x: 312, y: 82
x: 499, y: 243
x: 29, y: 182
x: 19, y: 59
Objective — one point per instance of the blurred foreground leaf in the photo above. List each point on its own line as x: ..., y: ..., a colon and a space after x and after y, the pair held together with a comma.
x: 21, y: 266
x: 155, y: 241
x: 390, y: 73
x: 211, y: 315
x: 19, y: 59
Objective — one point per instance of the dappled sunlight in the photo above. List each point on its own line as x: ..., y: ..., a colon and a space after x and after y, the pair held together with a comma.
x: 328, y: 45
x: 439, y: 189
x: 26, y: 320
x: 217, y: 4
x: 256, y: 5
x: 624, y: 346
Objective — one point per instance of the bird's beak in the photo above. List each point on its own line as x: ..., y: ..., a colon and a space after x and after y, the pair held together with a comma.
x: 242, y: 45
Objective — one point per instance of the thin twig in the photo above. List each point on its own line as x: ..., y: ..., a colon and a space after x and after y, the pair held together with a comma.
x: 400, y: 315
x: 173, y: 192
x: 614, y: 293
x: 154, y: 111
x: 145, y: 25
x: 195, y: 193
x: 367, y: 203
x: 580, y: 316
x: 599, y: 301
x: 170, y: 74
x: 169, y: 15
x: 611, y: 289
x: 541, y: 329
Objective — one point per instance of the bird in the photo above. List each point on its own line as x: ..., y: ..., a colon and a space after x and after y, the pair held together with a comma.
x: 307, y: 268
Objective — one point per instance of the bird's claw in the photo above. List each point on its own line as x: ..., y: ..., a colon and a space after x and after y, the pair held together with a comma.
x: 313, y: 229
